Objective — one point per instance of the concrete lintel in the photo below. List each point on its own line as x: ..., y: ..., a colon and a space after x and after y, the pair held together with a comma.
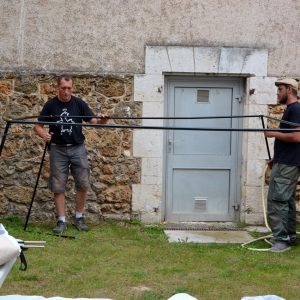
x: 157, y: 60
x: 244, y: 60
x: 160, y: 59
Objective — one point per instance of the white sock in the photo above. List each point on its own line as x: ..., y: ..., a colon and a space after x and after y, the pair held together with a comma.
x: 78, y: 215
x: 62, y: 218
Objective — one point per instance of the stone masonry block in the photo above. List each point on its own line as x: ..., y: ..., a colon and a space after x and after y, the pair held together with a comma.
x: 181, y: 59
x: 146, y: 197
x: 150, y: 217
x: 254, y: 200
x: 257, y: 109
x: 161, y: 59
x: 153, y: 109
x: 243, y: 61
x: 257, y: 148
x: 151, y: 171
x: 254, y: 219
x: 157, y: 60
x: 254, y: 172
x: 148, y: 88
x: 207, y: 59
x: 263, y: 90
x: 5, y: 87
x: 26, y: 84
x: 147, y: 143
x: 256, y: 62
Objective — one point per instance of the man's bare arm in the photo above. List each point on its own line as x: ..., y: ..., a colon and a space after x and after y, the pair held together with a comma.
x: 291, y: 137
x: 103, y: 120
x: 41, y: 132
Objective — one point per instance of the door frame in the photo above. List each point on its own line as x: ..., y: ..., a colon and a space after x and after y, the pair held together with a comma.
x: 236, y: 82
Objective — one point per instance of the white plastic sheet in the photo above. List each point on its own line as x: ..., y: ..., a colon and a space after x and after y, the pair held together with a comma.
x: 9, y: 247
x: 9, y: 251
x: 182, y: 296
x: 20, y: 297
x: 266, y: 297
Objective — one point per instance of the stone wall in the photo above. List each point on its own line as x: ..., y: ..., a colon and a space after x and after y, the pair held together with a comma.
x: 113, y: 167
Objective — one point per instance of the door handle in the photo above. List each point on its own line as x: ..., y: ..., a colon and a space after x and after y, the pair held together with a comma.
x: 239, y: 99
x: 170, y: 146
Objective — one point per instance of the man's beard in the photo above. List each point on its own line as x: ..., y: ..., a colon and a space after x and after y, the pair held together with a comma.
x: 283, y: 99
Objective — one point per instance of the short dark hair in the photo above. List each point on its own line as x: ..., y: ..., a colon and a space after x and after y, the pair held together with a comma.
x: 65, y: 77
x: 294, y: 92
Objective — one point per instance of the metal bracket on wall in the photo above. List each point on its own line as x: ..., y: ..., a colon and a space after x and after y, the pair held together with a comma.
x: 236, y: 207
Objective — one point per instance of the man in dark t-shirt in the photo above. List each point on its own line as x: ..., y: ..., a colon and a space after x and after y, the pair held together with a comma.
x: 285, y: 170
x: 67, y: 149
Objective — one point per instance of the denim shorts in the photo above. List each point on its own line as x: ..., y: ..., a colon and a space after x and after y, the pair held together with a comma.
x: 64, y: 158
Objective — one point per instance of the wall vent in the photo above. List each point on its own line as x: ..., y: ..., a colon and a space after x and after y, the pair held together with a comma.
x: 203, y: 96
x: 200, y: 203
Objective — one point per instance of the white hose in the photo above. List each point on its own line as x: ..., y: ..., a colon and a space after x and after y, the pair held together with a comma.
x: 263, y: 179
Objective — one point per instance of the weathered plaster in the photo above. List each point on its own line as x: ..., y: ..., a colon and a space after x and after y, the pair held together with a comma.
x: 110, y: 36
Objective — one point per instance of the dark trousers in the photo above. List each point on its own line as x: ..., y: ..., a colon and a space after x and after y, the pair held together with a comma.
x: 281, y: 201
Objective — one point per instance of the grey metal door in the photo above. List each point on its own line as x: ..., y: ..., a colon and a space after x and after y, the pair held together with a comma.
x: 202, y: 170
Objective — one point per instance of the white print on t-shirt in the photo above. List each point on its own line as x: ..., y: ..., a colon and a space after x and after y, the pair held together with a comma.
x: 64, y: 119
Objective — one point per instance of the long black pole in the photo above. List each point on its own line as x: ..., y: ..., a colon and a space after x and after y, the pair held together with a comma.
x: 141, y: 118
x: 112, y: 126
x: 8, y: 123
x: 266, y: 140
x: 36, y: 185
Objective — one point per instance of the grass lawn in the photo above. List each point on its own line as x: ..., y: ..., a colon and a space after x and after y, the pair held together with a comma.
x: 120, y: 260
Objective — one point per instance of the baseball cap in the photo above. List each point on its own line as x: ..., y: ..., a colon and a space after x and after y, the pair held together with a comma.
x: 288, y: 81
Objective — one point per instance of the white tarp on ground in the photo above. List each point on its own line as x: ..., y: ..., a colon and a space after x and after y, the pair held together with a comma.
x: 9, y: 251
x: 182, y: 296
x: 9, y: 247
x: 20, y: 297
x: 267, y: 297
